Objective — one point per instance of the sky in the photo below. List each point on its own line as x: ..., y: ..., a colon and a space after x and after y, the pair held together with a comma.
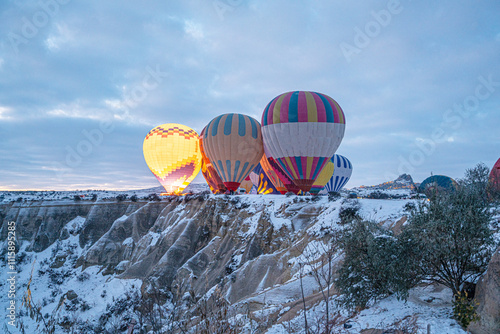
x: 83, y: 82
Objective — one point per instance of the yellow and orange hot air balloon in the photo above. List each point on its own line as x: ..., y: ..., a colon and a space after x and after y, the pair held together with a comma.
x: 172, y: 153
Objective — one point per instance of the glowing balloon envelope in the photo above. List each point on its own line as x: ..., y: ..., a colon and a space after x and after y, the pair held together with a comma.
x: 172, y: 153
x: 233, y: 143
x: 341, y: 174
x: 209, y: 173
x: 302, y: 130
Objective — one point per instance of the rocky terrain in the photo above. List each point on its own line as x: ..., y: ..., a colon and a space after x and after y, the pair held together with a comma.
x: 252, y: 257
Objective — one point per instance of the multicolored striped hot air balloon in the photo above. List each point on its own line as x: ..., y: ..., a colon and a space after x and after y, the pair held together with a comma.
x: 495, y: 177
x: 262, y: 182
x: 290, y: 186
x: 209, y: 173
x: 233, y: 143
x: 302, y: 130
x: 341, y: 174
x: 272, y: 175
x: 172, y: 153
x: 323, y: 178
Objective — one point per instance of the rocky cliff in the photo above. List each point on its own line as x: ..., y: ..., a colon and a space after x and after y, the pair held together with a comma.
x: 249, y: 250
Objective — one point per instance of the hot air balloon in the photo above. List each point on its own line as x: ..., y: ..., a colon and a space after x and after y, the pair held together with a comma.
x: 287, y: 182
x: 437, y: 183
x: 323, y: 178
x: 261, y: 181
x: 209, y: 173
x: 341, y: 174
x: 233, y: 143
x: 495, y: 177
x: 272, y: 175
x: 247, y: 184
x: 302, y: 130
x: 172, y: 153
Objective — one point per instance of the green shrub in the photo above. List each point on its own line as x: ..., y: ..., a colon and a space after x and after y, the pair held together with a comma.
x: 465, y: 309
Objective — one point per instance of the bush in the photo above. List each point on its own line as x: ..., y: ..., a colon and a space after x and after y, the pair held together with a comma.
x: 121, y: 197
x: 378, y: 195
x: 333, y: 196
x: 375, y: 266
x: 465, y: 309
x: 77, y: 198
x: 154, y: 197
x: 451, y: 233
x: 447, y: 240
x: 349, y: 213
x: 133, y: 198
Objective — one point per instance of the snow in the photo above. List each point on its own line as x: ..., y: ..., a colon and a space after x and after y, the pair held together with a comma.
x: 430, y: 305
x: 128, y: 242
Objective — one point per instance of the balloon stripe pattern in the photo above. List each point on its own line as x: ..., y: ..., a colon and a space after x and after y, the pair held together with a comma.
x: 323, y: 178
x: 272, y: 174
x: 262, y: 181
x: 341, y: 174
x: 233, y: 142
x: 209, y: 173
x: 302, y: 130
x: 172, y: 154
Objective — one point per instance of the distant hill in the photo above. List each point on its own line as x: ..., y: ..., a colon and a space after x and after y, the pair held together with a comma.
x: 402, y: 186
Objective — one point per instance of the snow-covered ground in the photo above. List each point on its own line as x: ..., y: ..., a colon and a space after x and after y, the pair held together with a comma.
x: 92, y: 292
x: 52, y: 195
x: 88, y: 293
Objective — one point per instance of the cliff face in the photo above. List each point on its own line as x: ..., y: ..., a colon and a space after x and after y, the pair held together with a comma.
x: 249, y: 250
x: 198, y: 243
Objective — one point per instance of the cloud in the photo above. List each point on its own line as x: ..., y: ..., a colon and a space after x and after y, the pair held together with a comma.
x: 188, y: 62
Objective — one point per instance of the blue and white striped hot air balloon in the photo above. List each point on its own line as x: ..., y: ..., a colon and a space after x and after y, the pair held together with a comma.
x: 341, y: 173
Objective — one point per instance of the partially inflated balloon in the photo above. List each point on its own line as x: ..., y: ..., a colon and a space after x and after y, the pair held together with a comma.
x: 302, y: 130
x: 261, y: 181
x: 209, y: 173
x: 437, y: 183
x: 323, y: 178
x: 233, y: 143
x: 290, y: 186
x: 247, y: 184
x: 272, y: 175
x: 341, y: 174
x: 172, y: 153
